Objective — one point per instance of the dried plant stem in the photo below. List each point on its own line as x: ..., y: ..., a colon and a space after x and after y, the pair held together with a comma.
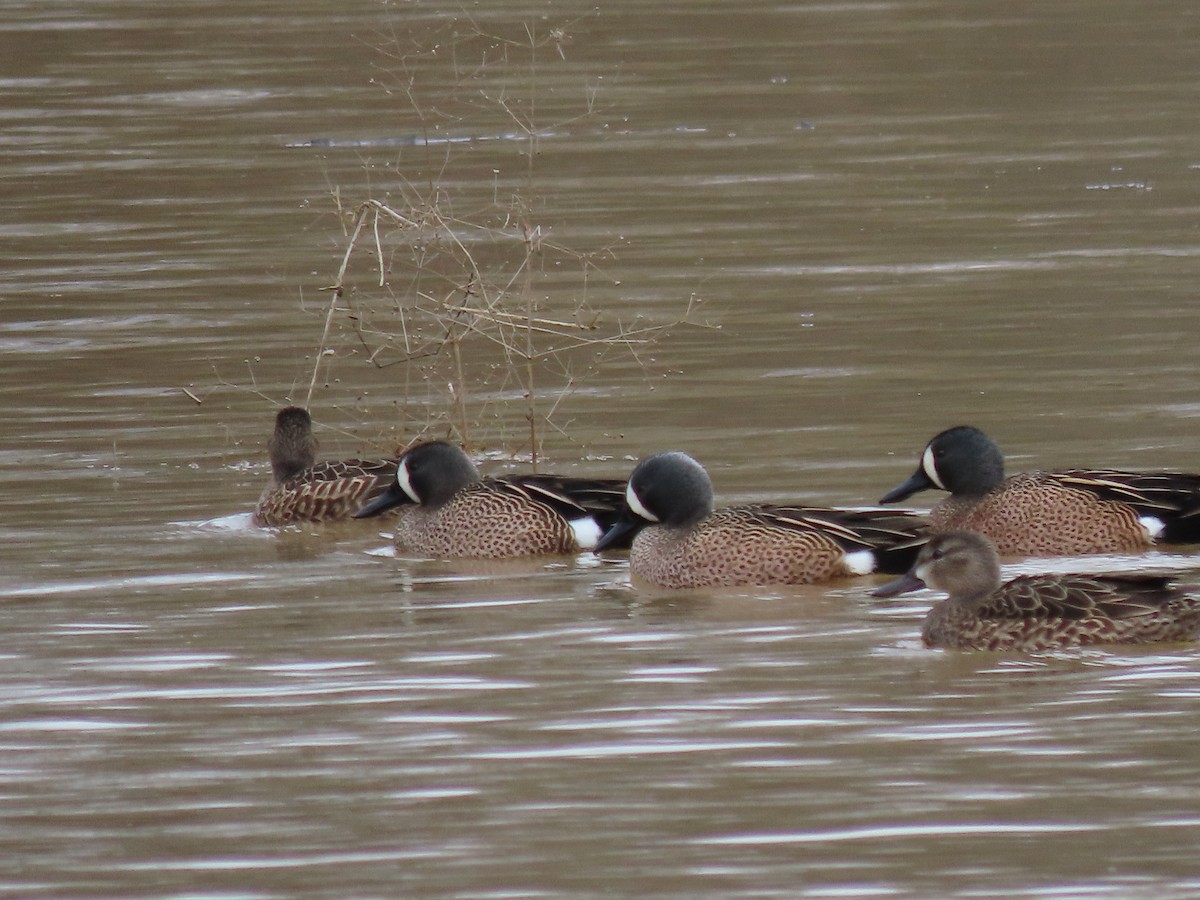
x: 471, y: 321
x: 530, y: 372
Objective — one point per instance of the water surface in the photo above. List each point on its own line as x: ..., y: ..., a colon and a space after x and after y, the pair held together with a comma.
x: 896, y: 217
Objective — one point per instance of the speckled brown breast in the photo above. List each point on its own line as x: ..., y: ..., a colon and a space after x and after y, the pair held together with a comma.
x: 483, y: 523
x: 950, y: 625
x: 327, y: 492
x: 1032, y: 516
x: 734, y: 548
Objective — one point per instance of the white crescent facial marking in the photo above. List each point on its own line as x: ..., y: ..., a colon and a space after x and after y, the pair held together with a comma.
x: 861, y: 562
x: 405, y: 482
x: 1152, y: 525
x: 922, y: 572
x: 587, y: 532
x: 930, y: 467
x: 635, y: 504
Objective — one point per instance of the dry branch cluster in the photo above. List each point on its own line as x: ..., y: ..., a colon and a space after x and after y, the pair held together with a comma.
x: 484, y: 308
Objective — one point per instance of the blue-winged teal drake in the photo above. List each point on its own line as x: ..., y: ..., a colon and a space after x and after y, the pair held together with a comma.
x: 1040, y: 612
x: 682, y: 542
x: 1066, y: 513
x: 453, y: 512
x: 303, y: 490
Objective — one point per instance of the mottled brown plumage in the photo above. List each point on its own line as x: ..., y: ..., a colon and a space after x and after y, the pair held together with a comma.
x: 303, y: 490
x: 681, y: 542
x: 1040, y: 514
x: 1040, y: 612
x: 450, y: 511
x: 1067, y: 513
x: 486, y: 520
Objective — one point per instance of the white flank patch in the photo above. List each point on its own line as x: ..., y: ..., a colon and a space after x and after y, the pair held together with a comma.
x: 1152, y: 525
x: 587, y: 532
x: 635, y: 504
x: 861, y: 562
x: 405, y: 482
x: 930, y: 467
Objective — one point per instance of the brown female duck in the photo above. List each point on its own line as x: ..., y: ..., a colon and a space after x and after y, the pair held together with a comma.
x: 1040, y: 612
x: 303, y: 490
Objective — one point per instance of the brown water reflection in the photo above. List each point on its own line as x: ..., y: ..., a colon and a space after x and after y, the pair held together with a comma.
x: 901, y: 216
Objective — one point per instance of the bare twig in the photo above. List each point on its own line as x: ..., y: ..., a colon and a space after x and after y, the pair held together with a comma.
x: 472, y: 319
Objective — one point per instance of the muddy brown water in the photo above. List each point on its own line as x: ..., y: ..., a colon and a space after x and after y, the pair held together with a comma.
x: 898, y: 216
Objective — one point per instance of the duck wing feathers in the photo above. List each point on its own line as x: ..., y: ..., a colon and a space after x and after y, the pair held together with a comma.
x: 894, y: 537
x: 324, y: 492
x: 339, y: 469
x: 1149, y: 492
x: 1080, y: 597
x: 1171, y: 497
x: 572, y: 498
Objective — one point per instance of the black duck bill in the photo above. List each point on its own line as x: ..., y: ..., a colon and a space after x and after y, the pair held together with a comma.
x: 905, y: 584
x: 621, y: 532
x: 389, y: 499
x: 919, y: 481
